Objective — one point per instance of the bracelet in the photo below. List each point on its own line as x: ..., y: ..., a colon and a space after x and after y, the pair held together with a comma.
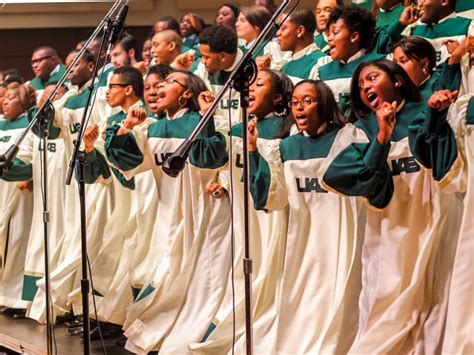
x: 125, y: 128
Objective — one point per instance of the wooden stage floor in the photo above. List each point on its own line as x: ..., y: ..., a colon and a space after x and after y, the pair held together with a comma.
x: 25, y: 336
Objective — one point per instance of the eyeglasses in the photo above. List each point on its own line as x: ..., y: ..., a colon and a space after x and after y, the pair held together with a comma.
x: 305, y: 102
x: 111, y: 85
x: 169, y: 81
x: 38, y: 60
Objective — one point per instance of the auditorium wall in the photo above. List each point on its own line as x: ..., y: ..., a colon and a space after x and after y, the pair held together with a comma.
x: 27, y: 25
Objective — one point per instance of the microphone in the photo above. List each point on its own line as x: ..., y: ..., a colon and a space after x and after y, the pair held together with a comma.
x: 117, y: 26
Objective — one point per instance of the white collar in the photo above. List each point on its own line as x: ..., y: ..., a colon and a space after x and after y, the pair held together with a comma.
x: 402, y: 104
x: 450, y: 16
x: 424, y: 81
x: 320, y: 130
x: 391, y: 9
x: 359, y: 54
x: 138, y: 103
x: 55, y: 70
x: 238, y: 57
x: 306, y: 50
x: 178, y: 114
x: 83, y: 87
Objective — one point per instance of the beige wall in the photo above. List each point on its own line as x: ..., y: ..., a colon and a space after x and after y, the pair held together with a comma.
x: 89, y: 14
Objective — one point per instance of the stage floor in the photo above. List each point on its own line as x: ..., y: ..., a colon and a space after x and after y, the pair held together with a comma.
x: 27, y: 336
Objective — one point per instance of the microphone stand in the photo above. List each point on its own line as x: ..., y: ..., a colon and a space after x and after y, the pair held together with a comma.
x: 79, y: 156
x: 240, y: 79
x: 42, y: 117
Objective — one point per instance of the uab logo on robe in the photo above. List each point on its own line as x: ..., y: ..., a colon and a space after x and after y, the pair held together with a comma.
x: 51, y: 147
x: 309, y: 184
x: 404, y: 165
x: 160, y: 158
x: 74, y: 127
x: 5, y: 139
x: 226, y: 104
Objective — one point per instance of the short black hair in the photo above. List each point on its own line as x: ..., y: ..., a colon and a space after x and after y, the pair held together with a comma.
x: 86, y: 56
x: 219, y: 39
x: 49, y: 49
x: 408, y: 90
x: 418, y: 48
x: 131, y: 76
x: 357, y: 19
x: 162, y: 70
x: 305, y: 18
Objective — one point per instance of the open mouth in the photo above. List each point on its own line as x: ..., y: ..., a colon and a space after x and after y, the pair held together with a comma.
x: 152, y: 102
x: 372, y: 98
x: 300, y: 117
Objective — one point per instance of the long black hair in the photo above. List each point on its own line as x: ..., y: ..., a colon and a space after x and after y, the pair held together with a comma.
x: 395, y: 72
x: 418, y: 48
x: 195, y: 85
x: 328, y: 109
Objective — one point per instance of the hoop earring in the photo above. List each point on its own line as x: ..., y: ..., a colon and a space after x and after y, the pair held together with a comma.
x: 180, y: 103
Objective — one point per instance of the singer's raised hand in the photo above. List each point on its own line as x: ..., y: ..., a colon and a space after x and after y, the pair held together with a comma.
x: 264, y: 61
x: 215, y: 190
x: 205, y: 99
x: 252, y: 135
x: 185, y: 60
x: 25, y: 186
x: 135, y: 116
x: 90, y: 136
x: 141, y: 66
x: 442, y: 99
x: 386, y: 121
x: 409, y: 15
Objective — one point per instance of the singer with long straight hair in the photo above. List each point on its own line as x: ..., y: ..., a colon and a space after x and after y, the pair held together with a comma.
x: 407, y: 216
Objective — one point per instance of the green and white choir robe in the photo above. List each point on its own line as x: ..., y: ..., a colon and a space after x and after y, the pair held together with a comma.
x: 279, y: 57
x: 110, y: 269
x: 366, y: 4
x: 302, y: 62
x: 229, y: 107
x: 389, y: 17
x: 321, y: 40
x: 31, y: 152
x: 194, y: 228
x: 15, y: 219
x: 451, y: 27
x: 465, y: 8
x: 338, y: 75
x: 104, y: 110
x: 39, y: 84
x: 446, y: 147
x: 445, y: 76
x: 317, y: 306
x: 408, y: 216
x: 66, y: 256
x: 268, y: 237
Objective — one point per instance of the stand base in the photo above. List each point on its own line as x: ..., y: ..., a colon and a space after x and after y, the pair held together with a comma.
x: 25, y: 336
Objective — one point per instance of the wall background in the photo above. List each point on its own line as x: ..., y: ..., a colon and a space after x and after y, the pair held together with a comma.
x: 61, y: 24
